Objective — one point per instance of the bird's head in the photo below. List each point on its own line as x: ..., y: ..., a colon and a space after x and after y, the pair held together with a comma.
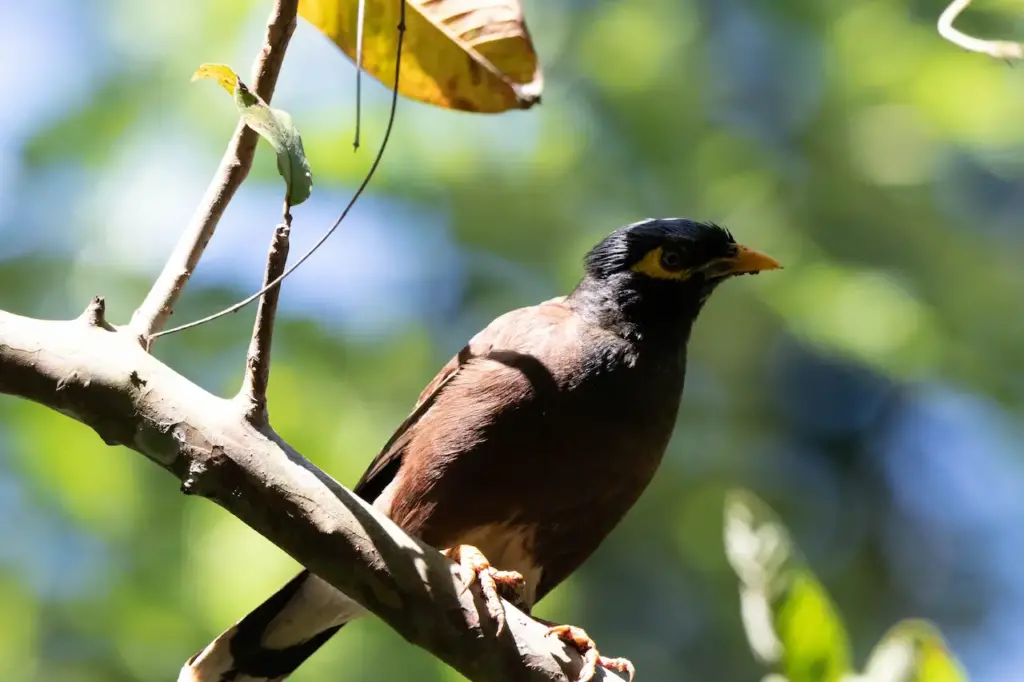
x: 664, y: 268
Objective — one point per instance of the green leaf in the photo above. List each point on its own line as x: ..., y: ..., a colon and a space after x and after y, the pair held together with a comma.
x: 789, y: 618
x: 277, y: 128
x: 913, y: 651
x: 274, y: 125
x: 812, y: 633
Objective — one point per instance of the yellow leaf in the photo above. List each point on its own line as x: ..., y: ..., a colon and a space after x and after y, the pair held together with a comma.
x: 472, y: 55
x: 219, y: 72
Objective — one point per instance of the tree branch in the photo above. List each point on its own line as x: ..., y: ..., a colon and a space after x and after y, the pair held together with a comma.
x: 1000, y: 49
x: 253, y: 394
x: 159, y: 303
x: 85, y: 369
x: 225, y: 450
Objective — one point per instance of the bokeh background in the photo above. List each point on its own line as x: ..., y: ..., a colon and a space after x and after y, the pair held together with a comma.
x: 871, y: 392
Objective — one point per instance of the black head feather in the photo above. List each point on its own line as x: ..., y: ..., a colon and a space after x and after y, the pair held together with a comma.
x: 619, y: 251
x: 636, y: 305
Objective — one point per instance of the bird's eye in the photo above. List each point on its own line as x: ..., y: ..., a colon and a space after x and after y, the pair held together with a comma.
x: 671, y: 259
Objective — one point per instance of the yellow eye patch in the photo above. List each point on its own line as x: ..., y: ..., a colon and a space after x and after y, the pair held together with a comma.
x: 651, y: 266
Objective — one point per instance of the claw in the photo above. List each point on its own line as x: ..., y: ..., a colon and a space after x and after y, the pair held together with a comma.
x: 475, y: 566
x: 577, y: 637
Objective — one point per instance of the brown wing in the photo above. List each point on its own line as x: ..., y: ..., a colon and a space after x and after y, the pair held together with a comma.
x: 385, y: 465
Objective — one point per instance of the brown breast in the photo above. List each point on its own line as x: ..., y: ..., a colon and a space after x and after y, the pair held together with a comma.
x: 537, y: 445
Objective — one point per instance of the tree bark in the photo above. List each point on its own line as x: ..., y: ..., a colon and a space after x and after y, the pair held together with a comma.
x: 103, y: 378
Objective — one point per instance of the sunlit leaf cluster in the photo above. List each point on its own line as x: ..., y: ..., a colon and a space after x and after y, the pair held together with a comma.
x: 792, y: 625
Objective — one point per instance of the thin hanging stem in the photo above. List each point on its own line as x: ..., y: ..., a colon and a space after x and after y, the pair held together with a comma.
x: 366, y: 181
x: 360, y: 20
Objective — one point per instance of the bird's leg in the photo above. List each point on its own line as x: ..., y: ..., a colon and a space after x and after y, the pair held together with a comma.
x: 475, y: 566
x: 577, y: 637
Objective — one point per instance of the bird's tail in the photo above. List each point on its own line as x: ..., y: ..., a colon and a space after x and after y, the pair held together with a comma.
x: 271, y: 642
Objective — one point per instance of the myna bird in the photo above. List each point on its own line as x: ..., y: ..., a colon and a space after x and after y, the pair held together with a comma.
x: 529, y: 446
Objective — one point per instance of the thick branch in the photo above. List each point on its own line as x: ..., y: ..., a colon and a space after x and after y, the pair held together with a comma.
x: 257, y: 361
x: 104, y: 379
x: 158, y: 306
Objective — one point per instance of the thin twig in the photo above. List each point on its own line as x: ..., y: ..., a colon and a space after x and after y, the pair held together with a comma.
x: 159, y: 303
x: 366, y: 181
x: 95, y: 314
x: 999, y: 49
x: 253, y: 393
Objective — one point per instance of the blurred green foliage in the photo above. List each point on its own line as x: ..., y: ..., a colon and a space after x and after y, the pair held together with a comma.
x: 871, y: 392
x: 791, y: 622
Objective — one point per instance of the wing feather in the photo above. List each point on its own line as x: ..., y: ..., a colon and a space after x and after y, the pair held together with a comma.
x: 500, y: 332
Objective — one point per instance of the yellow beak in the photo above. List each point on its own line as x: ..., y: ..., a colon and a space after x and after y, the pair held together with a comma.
x: 746, y: 261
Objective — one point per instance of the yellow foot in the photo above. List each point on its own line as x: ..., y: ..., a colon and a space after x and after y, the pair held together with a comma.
x: 570, y: 634
x: 475, y: 566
